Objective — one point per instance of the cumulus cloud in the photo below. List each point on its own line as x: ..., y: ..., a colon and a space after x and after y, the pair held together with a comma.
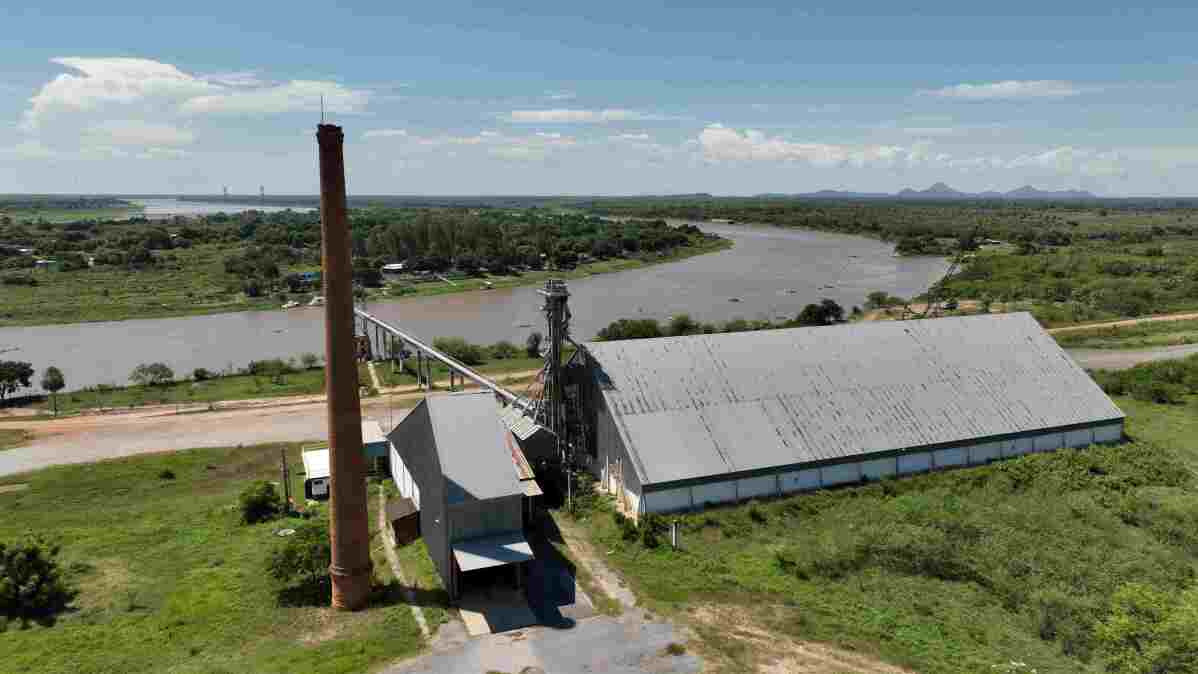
x: 722, y: 143
x: 576, y: 116
x: 294, y: 96
x: 560, y: 95
x: 1008, y: 90
x: 631, y: 136
x: 136, y: 132
x: 104, y: 81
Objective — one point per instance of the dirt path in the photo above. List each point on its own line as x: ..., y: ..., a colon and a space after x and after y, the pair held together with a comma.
x: 1125, y: 323
x: 83, y: 439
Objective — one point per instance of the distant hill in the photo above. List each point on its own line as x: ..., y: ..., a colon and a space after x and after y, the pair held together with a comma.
x: 942, y: 191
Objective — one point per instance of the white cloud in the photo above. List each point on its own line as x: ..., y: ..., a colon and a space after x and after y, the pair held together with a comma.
x: 106, y: 81
x: 574, y: 116
x: 294, y: 96
x: 385, y: 133
x: 135, y: 132
x: 560, y: 95
x: 721, y: 143
x: 1008, y: 90
x: 631, y: 136
x: 240, y: 78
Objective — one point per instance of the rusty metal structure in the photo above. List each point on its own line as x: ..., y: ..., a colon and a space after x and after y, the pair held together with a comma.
x: 349, y: 531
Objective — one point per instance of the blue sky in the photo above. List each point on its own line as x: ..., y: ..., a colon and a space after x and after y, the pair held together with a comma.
x: 607, y: 98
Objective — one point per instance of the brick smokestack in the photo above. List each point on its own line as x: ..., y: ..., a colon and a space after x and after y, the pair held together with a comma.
x: 349, y: 532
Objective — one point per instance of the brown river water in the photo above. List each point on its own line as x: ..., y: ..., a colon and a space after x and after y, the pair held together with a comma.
x: 770, y: 273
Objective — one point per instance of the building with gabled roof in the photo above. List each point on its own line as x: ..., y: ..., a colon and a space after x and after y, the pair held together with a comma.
x: 456, y: 461
x: 680, y: 422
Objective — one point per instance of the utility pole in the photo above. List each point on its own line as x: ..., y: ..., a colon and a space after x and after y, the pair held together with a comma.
x: 349, y: 533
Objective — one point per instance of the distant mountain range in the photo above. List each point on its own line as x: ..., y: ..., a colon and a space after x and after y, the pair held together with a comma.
x: 940, y: 191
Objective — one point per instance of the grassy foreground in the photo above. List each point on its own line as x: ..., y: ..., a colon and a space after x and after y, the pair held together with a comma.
x: 1143, y: 335
x: 1075, y: 561
x: 169, y: 580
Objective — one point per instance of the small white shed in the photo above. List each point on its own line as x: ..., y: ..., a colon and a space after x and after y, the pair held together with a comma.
x: 316, y: 474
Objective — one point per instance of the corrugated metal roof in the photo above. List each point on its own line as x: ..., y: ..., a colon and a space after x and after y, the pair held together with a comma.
x: 703, y: 405
x: 470, y: 444
x: 520, y: 424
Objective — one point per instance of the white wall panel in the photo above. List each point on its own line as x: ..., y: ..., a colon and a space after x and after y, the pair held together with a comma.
x: 1048, y: 442
x: 1111, y: 433
x: 989, y: 451
x: 840, y: 474
x: 879, y: 468
x: 801, y: 480
x: 753, y: 487
x: 669, y: 500
x: 947, y: 458
x: 715, y: 492
x: 914, y: 463
x: 1080, y: 438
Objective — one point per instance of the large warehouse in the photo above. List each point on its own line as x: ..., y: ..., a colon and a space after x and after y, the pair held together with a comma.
x: 680, y: 422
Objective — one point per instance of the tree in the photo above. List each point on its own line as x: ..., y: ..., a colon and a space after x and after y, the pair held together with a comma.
x: 683, y: 324
x: 259, y: 502
x: 532, y: 345
x: 14, y: 374
x: 152, y: 374
x: 31, y: 583
x: 53, y: 381
x: 826, y: 312
x: 305, y: 554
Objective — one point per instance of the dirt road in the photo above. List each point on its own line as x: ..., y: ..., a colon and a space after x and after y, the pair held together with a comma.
x: 1125, y: 323
x: 96, y: 437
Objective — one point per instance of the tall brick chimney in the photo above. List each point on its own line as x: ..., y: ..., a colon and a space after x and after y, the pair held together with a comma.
x: 349, y: 530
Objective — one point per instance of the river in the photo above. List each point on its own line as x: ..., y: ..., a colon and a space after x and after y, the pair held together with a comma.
x: 769, y: 273
x: 166, y: 208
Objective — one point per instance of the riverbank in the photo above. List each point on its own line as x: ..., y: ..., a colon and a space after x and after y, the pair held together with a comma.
x: 193, y: 283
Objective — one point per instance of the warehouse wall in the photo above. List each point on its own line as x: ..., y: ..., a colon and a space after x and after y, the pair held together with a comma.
x: 612, y: 464
x: 783, y: 482
x: 414, y: 445
x: 490, y: 517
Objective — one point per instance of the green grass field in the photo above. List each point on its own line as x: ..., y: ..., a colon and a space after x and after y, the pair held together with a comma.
x: 61, y: 215
x: 169, y: 580
x: 390, y: 375
x: 232, y: 387
x: 1040, y: 560
x: 12, y: 437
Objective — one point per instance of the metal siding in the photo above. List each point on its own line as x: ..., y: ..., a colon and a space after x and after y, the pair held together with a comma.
x: 840, y: 474
x: 879, y: 468
x: 801, y: 480
x: 914, y: 463
x: 668, y: 500
x: 985, y: 452
x: 1109, y: 433
x: 416, y: 447
x: 1018, y: 446
x: 766, y: 485
x: 1049, y: 442
x: 945, y: 458
x: 705, y: 405
x: 715, y: 492
x: 478, y: 519
x: 1082, y: 438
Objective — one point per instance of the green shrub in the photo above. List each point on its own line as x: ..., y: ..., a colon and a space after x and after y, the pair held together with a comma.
x: 653, y: 527
x: 260, y: 502
x: 305, y: 555
x: 31, y: 583
x: 201, y: 374
x: 504, y: 350
x: 459, y: 349
x: 166, y: 474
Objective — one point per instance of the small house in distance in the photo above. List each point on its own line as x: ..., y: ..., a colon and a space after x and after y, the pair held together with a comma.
x: 453, y: 458
x: 681, y: 422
